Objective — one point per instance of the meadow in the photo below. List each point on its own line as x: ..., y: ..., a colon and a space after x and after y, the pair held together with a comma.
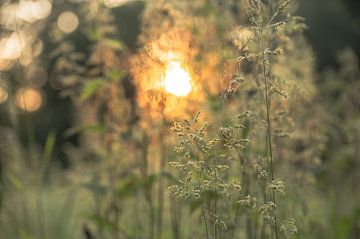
x: 169, y: 119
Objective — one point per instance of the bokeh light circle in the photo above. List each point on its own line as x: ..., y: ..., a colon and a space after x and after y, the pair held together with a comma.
x: 68, y: 22
x: 28, y: 99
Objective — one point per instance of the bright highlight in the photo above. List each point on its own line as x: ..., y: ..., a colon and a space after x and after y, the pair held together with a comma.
x: 177, y: 80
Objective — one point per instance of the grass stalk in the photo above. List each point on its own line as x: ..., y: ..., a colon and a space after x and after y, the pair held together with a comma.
x: 205, y: 222
x: 268, y: 121
x: 148, y: 191
x: 215, y: 219
x: 161, y: 183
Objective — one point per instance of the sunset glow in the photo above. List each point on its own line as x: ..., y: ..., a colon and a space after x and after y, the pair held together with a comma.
x: 177, y: 80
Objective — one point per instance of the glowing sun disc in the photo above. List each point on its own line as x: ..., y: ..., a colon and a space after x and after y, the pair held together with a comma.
x: 177, y: 80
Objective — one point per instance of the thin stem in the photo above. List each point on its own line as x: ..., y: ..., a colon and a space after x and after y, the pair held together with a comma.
x: 256, y: 225
x: 215, y: 200
x: 205, y: 223
x: 161, y: 183
x: 215, y: 220
x: 272, y: 13
x: 112, y: 182
x: 148, y: 191
x: 267, y: 102
x: 246, y: 185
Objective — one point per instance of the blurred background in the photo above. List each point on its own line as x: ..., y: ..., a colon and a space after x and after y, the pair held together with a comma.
x: 48, y: 47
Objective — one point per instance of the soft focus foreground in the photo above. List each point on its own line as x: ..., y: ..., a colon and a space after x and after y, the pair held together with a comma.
x: 210, y: 119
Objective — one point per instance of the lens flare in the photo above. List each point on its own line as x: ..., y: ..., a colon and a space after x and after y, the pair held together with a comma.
x: 177, y: 80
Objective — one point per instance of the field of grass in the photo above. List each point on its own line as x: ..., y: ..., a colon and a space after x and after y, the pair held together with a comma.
x: 169, y: 119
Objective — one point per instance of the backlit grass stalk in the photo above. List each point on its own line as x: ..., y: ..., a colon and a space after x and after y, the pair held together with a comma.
x: 271, y: 166
x: 266, y: 76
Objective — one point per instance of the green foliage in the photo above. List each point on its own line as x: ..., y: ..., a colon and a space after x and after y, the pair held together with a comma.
x: 90, y: 88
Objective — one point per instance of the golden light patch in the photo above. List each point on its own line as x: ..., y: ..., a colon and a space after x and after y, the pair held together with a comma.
x: 177, y: 80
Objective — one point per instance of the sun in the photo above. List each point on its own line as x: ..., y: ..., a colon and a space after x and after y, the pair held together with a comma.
x: 177, y: 79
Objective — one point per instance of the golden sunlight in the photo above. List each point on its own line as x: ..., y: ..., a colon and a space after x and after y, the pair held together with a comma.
x: 177, y: 79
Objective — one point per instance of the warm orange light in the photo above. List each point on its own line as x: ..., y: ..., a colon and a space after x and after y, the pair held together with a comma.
x: 28, y: 99
x: 6, y: 64
x: 3, y: 95
x: 177, y: 79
